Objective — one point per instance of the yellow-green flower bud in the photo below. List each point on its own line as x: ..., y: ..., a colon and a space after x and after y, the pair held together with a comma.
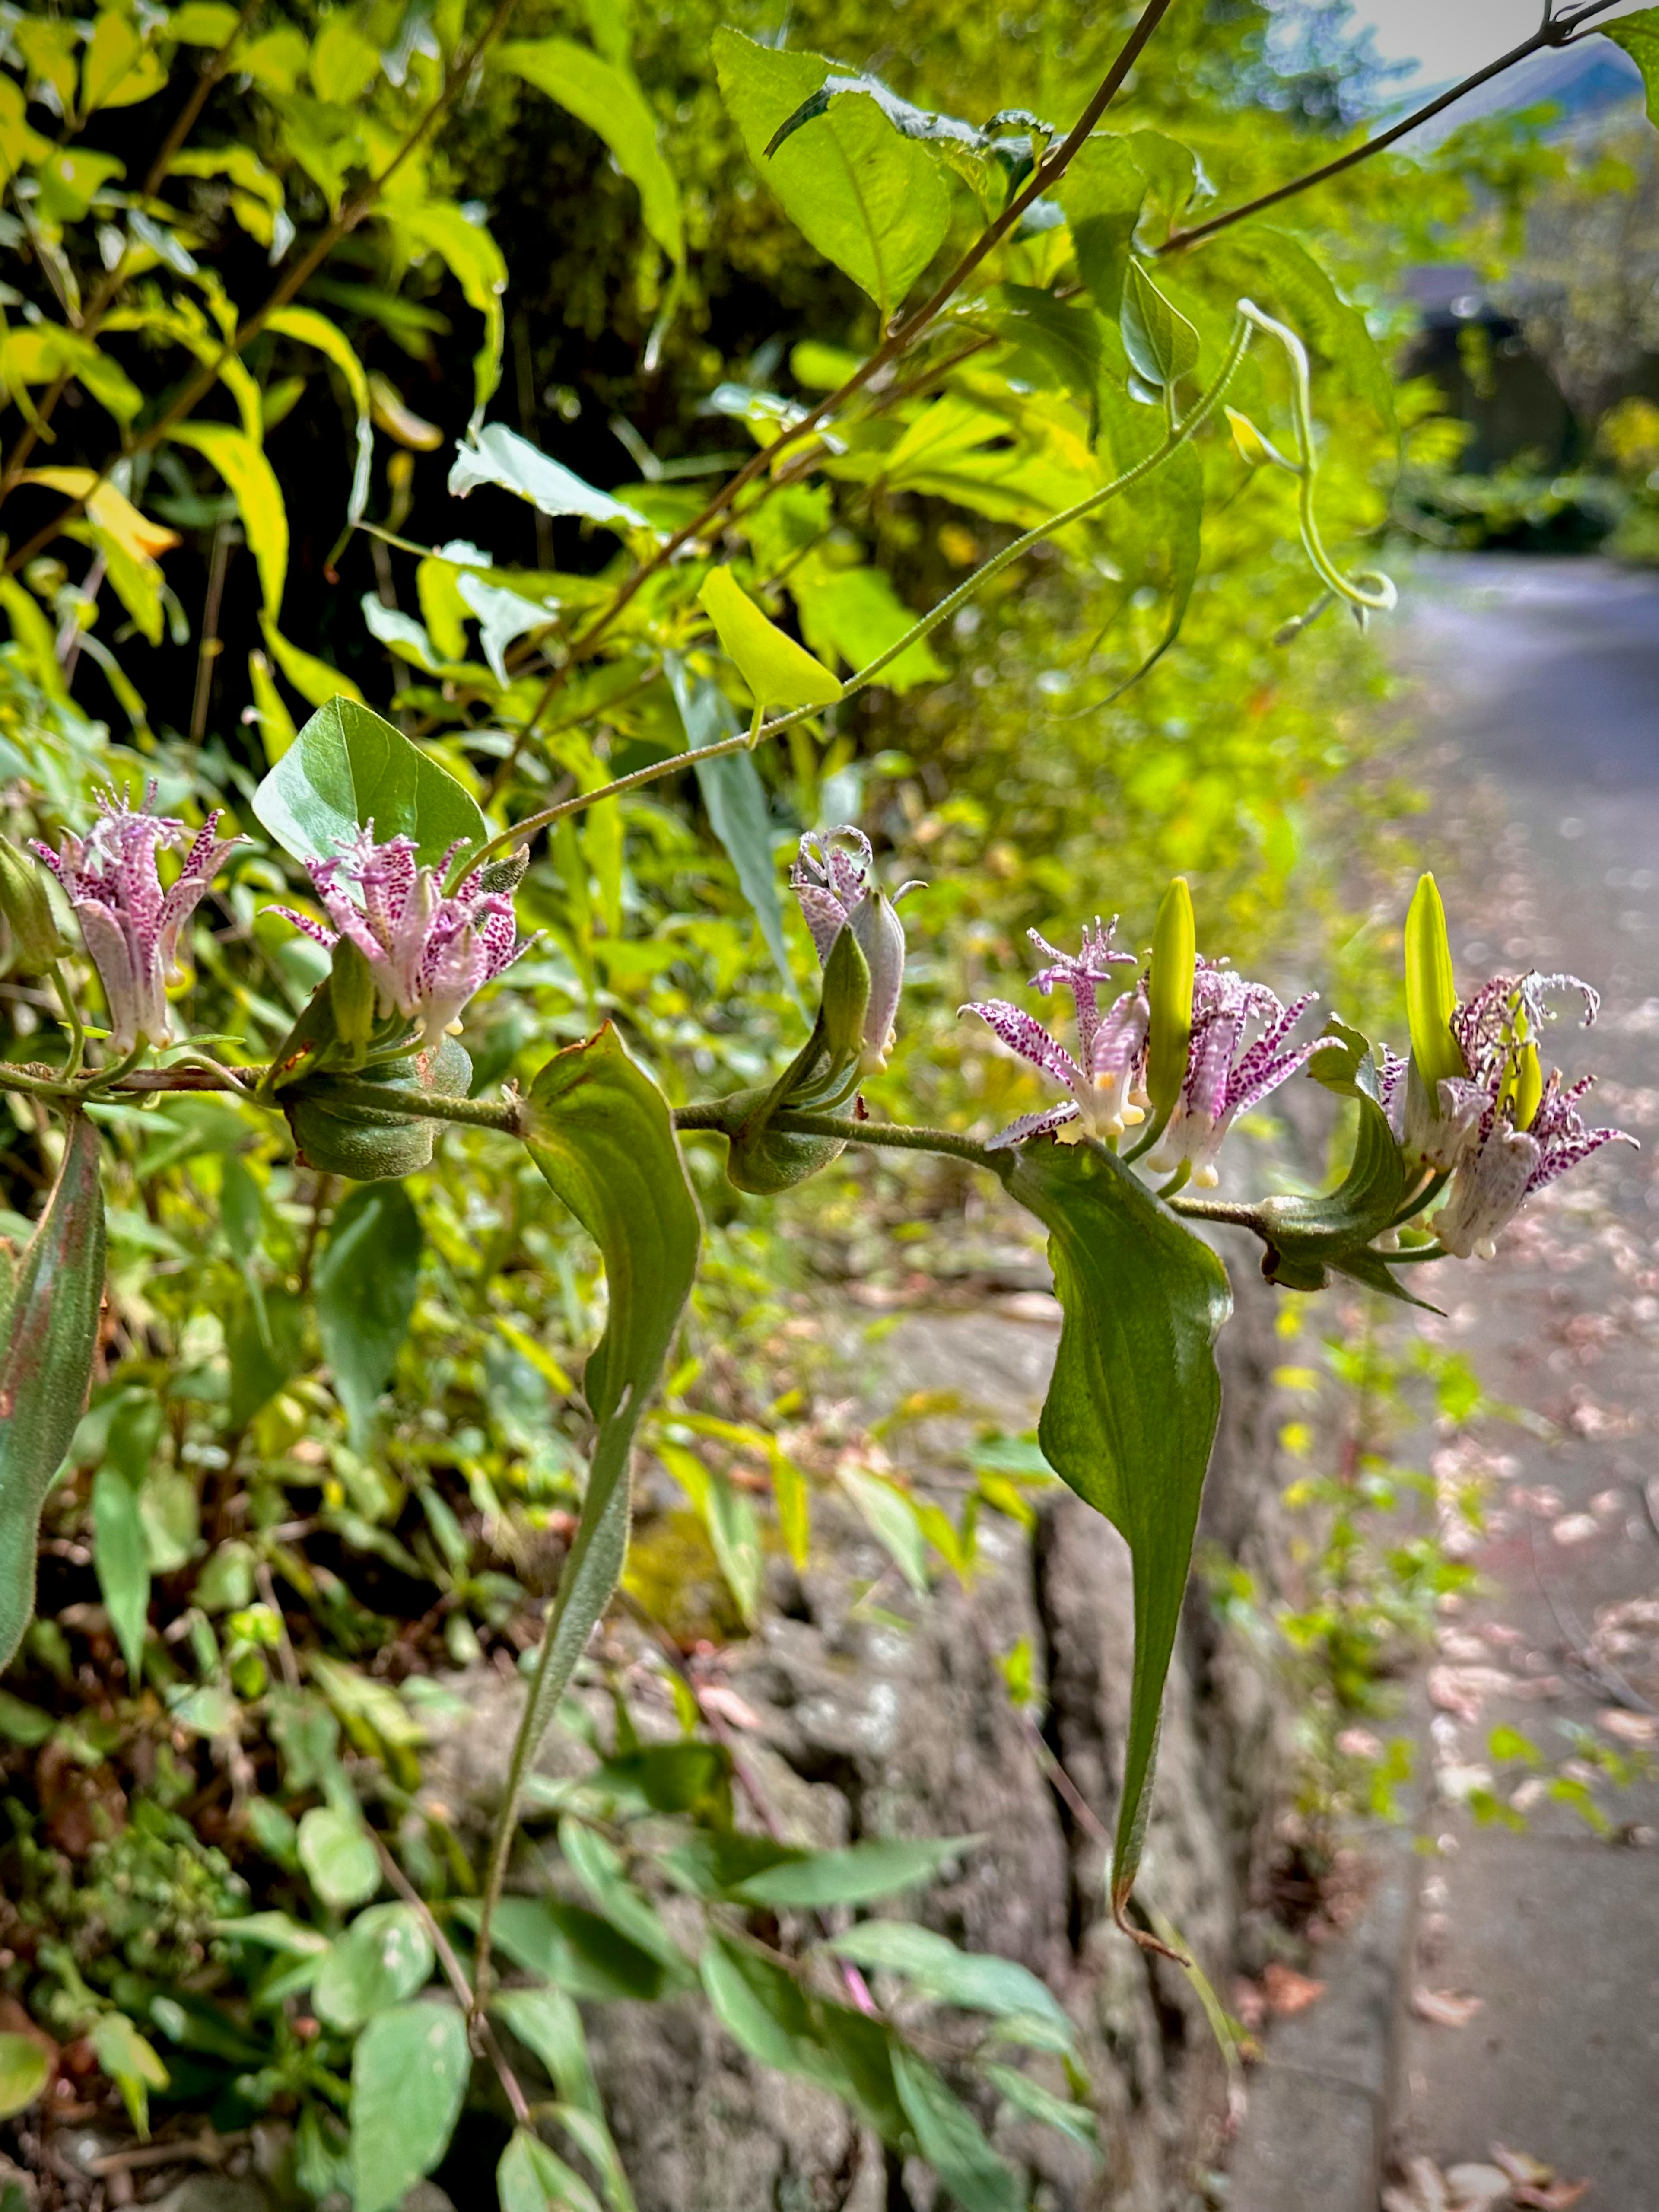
x: 1175, y: 959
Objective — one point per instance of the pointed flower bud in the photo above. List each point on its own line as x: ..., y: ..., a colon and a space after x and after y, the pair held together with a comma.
x: 130, y: 925
x: 1174, y: 952
x: 836, y: 892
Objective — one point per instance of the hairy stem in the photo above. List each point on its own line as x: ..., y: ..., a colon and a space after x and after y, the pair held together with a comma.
x: 472, y: 1113
x: 894, y: 1136
x: 1548, y: 34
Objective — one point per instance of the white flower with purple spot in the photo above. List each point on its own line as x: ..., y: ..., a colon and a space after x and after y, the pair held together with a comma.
x: 428, y: 951
x: 1111, y: 1046
x: 1228, y: 1069
x: 836, y: 892
x: 130, y: 925
x: 1499, y: 1166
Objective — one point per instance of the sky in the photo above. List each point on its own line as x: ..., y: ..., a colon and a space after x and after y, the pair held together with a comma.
x: 1450, y: 38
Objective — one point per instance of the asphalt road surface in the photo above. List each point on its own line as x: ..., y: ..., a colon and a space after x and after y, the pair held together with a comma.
x: 1539, y: 690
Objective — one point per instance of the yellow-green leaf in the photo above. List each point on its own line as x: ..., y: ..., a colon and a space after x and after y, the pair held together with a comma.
x: 603, y: 95
x: 117, y: 69
x: 24, y: 2072
x: 871, y: 200
x: 778, y: 672
x: 343, y: 63
x: 252, y: 484
x: 314, y: 330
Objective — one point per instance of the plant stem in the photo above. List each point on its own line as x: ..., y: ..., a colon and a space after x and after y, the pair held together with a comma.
x: 893, y: 1136
x: 76, y: 1027
x: 899, y: 339
x: 394, y: 1099
x: 198, y: 386
x: 455, y: 1975
x: 1548, y: 34
x: 1203, y: 408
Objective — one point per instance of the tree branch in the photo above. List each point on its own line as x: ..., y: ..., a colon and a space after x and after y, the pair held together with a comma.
x: 1548, y: 34
x: 899, y: 339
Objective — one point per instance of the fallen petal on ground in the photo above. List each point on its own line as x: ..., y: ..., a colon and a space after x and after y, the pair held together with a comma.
x: 1445, y: 2008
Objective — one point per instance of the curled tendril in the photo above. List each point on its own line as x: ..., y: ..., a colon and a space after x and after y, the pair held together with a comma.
x: 1367, y: 589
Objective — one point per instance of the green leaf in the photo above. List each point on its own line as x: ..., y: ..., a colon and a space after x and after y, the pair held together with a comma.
x: 339, y: 1857
x: 1305, y: 1237
x: 936, y: 1968
x: 778, y: 672
x: 367, y: 1281
x: 408, y: 2074
x: 1037, y: 2103
x: 117, y: 68
x: 202, y: 23
x: 549, y: 2022
x: 892, y: 1518
x: 24, y: 2072
x: 258, y: 496
x: 475, y: 263
x: 1279, y: 271
x: 23, y: 1723
x: 384, y: 1957
x: 1638, y: 35
x: 131, y: 2064
x: 349, y: 767
x: 314, y: 330
x: 264, y: 1339
x: 856, y: 1874
x: 951, y: 2140
x: 601, y: 1132
x: 122, y: 1560
x: 1431, y: 988
x: 856, y: 613
x: 768, y: 2012
x: 531, y: 2178
x: 603, y: 95
x: 738, y: 812
x: 1161, y: 343
x: 48, y: 1366
x: 578, y: 1951
x: 497, y: 455
x: 866, y: 197
x: 1131, y: 1408
x: 1100, y: 195
x: 729, y: 1518
x: 343, y: 63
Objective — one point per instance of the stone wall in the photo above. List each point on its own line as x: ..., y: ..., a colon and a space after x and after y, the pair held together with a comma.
x: 866, y: 1730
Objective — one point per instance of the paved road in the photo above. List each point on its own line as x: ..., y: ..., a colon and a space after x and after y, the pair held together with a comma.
x: 1542, y: 678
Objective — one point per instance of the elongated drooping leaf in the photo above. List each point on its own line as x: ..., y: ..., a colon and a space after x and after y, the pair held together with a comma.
x: 122, y: 1561
x: 1132, y: 1409
x: 48, y: 1366
x: 606, y: 97
x: 408, y: 2075
x: 366, y: 1286
x: 736, y: 799
x: 601, y: 1134
x: 349, y: 767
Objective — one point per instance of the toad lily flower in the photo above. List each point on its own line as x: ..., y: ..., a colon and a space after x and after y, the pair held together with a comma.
x: 130, y: 925
x: 428, y: 953
x: 1110, y: 1046
x: 835, y: 892
x: 1520, y: 1132
x: 1226, y: 1075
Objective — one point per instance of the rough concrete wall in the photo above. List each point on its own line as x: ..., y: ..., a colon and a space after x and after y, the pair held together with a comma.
x: 865, y: 1730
